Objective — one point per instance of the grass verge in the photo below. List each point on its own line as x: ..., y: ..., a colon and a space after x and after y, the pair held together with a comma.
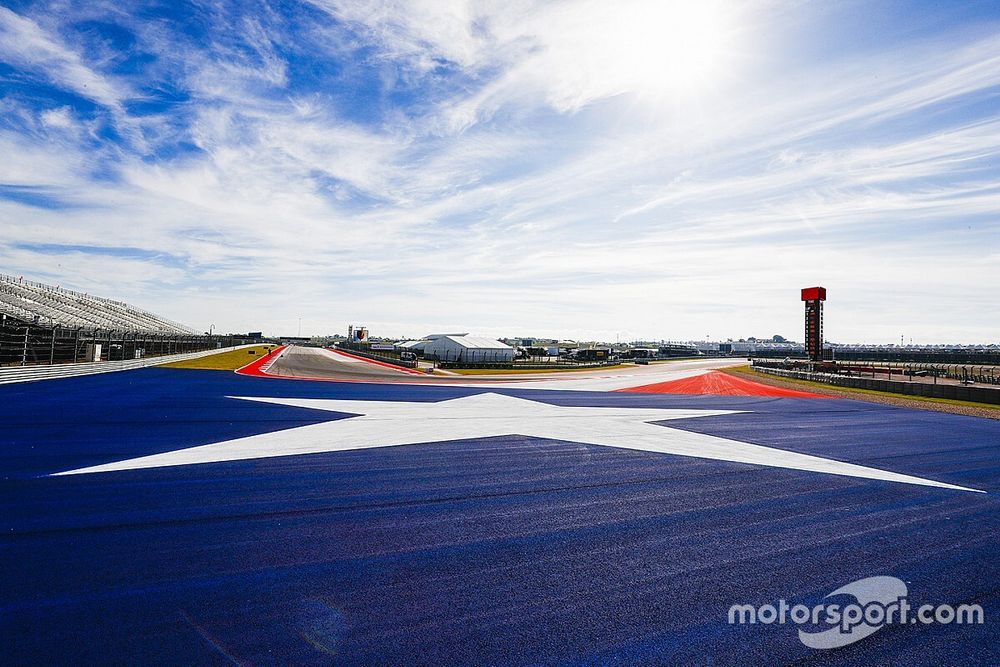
x: 225, y: 360
x: 747, y: 372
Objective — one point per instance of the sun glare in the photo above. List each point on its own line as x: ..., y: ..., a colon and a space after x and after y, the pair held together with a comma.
x: 681, y: 45
x: 668, y: 47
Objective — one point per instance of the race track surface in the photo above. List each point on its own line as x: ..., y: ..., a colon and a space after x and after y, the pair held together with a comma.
x: 324, y: 364
x: 311, y: 362
x: 508, y: 549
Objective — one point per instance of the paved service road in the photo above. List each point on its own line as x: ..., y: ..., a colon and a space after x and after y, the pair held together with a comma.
x: 321, y: 363
x: 318, y: 363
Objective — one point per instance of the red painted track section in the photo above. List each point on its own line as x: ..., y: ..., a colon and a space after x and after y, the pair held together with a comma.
x: 411, y: 371
x: 254, y: 367
x: 720, y: 384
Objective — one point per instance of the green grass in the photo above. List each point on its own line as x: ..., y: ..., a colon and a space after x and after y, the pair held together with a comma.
x: 747, y: 371
x: 225, y: 360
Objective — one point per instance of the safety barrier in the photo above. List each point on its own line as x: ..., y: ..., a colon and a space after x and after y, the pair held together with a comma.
x: 14, y: 374
x: 384, y: 358
x: 518, y: 365
x: 966, y: 373
x: 25, y: 344
x: 956, y: 392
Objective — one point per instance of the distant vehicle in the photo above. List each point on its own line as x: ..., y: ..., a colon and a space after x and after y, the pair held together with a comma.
x: 406, y: 355
x: 593, y: 354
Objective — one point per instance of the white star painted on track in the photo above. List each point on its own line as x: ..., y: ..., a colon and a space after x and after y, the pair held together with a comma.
x: 392, y: 423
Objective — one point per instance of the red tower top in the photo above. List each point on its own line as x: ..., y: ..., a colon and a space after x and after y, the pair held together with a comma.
x: 814, y: 294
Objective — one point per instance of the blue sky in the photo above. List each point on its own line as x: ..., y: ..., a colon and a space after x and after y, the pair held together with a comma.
x: 585, y: 169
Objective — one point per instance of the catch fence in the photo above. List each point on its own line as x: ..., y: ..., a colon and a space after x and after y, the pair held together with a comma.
x: 24, y: 344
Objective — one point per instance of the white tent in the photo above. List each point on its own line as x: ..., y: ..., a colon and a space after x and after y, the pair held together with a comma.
x: 469, y: 349
x: 411, y: 346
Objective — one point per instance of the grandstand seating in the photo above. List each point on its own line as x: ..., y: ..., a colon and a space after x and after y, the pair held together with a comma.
x: 47, y: 305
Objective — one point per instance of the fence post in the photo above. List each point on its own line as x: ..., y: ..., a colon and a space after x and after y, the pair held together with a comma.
x: 76, y: 345
x: 52, y: 347
x: 24, y: 351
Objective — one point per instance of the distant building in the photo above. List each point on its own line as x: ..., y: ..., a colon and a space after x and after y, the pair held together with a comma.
x: 294, y: 340
x: 442, y: 335
x: 415, y: 346
x: 593, y: 354
x: 678, y: 350
x: 530, y: 341
x: 468, y: 349
x: 636, y: 352
x: 357, y: 333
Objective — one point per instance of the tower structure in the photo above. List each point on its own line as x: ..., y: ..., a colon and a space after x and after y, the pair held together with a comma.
x: 814, y: 298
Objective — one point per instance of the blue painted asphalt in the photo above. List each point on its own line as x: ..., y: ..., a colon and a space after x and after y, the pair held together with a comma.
x: 500, y: 551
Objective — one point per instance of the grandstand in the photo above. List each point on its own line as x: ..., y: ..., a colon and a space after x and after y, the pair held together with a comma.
x: 46, y: 305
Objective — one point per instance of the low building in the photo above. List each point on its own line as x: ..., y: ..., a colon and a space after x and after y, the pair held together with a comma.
x: 678, y: 350
x: 593, y: 354
x: 442, y: 335
x: 468, y: 350
x: 415, y: 346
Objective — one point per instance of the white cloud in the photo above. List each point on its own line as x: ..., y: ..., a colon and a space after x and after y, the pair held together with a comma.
x: 552, y: 192
x: 61, y: 118
x: 24, y: 44
x: 425, y: 32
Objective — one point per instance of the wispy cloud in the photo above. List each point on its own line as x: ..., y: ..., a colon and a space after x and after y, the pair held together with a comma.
x: 24, y: 44
x: 507, y: 167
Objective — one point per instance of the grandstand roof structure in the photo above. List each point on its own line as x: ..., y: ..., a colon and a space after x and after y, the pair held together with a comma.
x: 39, y: 303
